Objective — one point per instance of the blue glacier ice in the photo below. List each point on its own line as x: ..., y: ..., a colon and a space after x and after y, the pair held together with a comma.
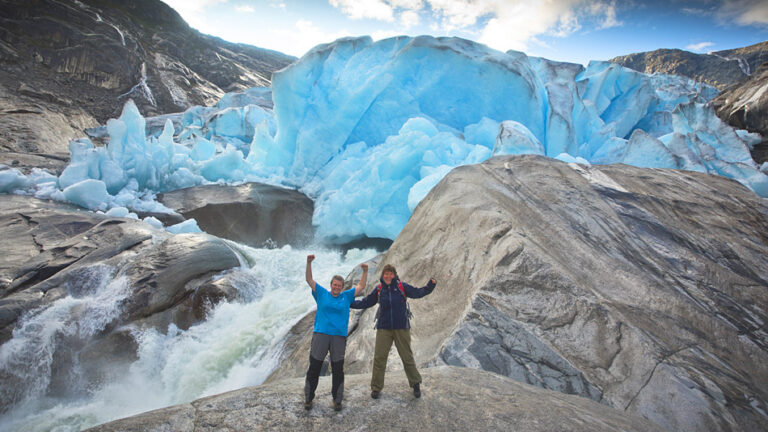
x: 367, y: 128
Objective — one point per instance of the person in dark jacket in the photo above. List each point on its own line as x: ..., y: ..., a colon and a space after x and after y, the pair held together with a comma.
x: 330, y: 332
x: 393, y: 325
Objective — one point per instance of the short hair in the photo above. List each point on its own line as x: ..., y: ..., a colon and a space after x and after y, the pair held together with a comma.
x: 339, y: 278
x: 389, y: 267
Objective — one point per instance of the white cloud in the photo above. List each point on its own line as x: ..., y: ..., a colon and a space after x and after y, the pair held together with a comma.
x: 517, y: 24
x: 407, y: 4
x: 244, y: 8
x: 359, y: 9
x: 606, y: 11
x: 407, y: 11
x: 744, y: 12
x: 512, y: 24
x: 459, y: 13
x: 185, y: 7
x: 193, y: 12
x: 303, y: 37
x: 277, y: 5
x: 699, y: 47
x: 409, y: 19
x: 501, y: 24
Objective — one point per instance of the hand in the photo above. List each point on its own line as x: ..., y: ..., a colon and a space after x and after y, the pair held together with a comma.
x: 364, y: 266
x: 432, y: 281
x: 310, y: 258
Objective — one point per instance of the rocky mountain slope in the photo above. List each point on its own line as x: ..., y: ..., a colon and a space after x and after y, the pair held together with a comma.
x: 632, y: 287
x: 746, y: 105
x: 740, y: 73
x: 720, y: 69
x: 455, y: 399
x: 68, y: 65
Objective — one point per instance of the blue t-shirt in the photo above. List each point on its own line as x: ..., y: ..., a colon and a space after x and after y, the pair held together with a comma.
x: 332, y: 313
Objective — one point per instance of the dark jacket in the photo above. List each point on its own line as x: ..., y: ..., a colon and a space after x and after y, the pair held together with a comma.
x: 392, y: 310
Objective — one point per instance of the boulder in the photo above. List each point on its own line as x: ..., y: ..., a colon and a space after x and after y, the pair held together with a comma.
x: 251, y: 213
x: 25, y: 162
x: 56, y: 245
x: 643, y: 289
x: 454, y: 399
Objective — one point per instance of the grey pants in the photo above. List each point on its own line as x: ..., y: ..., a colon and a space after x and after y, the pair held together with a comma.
x: 321, y: 344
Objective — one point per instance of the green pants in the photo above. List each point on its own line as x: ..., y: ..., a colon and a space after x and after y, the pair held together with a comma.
x: 384, y: 339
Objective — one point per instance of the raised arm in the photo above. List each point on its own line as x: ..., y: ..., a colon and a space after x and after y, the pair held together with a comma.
x: 367, y: 301
x: 310, y: 281
x: 363, y: 280
x: 413, y: 292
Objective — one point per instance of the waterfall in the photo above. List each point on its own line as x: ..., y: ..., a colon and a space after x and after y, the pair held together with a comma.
x: 142, y: 87
x: 236, y: 346
x: 740, y: 61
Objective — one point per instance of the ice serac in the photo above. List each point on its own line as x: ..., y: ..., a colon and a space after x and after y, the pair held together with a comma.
x: 631, y: 286
x: 354, y: 90
x: 344, y: 105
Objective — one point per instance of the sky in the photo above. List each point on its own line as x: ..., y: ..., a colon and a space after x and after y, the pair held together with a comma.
x: 564, y: 30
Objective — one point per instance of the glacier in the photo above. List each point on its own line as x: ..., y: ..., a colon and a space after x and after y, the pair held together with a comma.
x: 367, y: 128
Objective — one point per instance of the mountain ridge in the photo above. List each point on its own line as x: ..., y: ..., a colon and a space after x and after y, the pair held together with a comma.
x: 65, y: 67
x: 719, y: 68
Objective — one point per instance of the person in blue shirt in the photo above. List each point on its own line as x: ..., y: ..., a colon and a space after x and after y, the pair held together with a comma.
x: 393, y: 325
x: 330, y: 332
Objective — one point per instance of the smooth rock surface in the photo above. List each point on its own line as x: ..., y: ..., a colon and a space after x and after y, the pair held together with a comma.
x: 252, y: 213
x: 645, y: 289
x: 453, y: 399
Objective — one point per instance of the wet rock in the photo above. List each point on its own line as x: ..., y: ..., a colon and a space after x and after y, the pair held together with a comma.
x: 137, y: 276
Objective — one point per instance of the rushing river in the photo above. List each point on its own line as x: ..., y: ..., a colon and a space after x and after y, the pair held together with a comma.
x: 236, y: 346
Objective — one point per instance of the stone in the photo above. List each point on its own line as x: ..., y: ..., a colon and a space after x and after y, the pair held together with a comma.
x: 251, y: 213
x: 453, y: 399
x: 624, y: 285
x: 53, y: 163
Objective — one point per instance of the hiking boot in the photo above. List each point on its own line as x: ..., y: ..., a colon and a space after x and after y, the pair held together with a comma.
x: 307, y: 405
x: 375, y: 394
x: 417, y: 390
x: 336, y: 406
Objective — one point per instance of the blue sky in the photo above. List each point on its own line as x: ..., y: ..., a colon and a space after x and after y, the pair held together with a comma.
x: 564, y: 30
